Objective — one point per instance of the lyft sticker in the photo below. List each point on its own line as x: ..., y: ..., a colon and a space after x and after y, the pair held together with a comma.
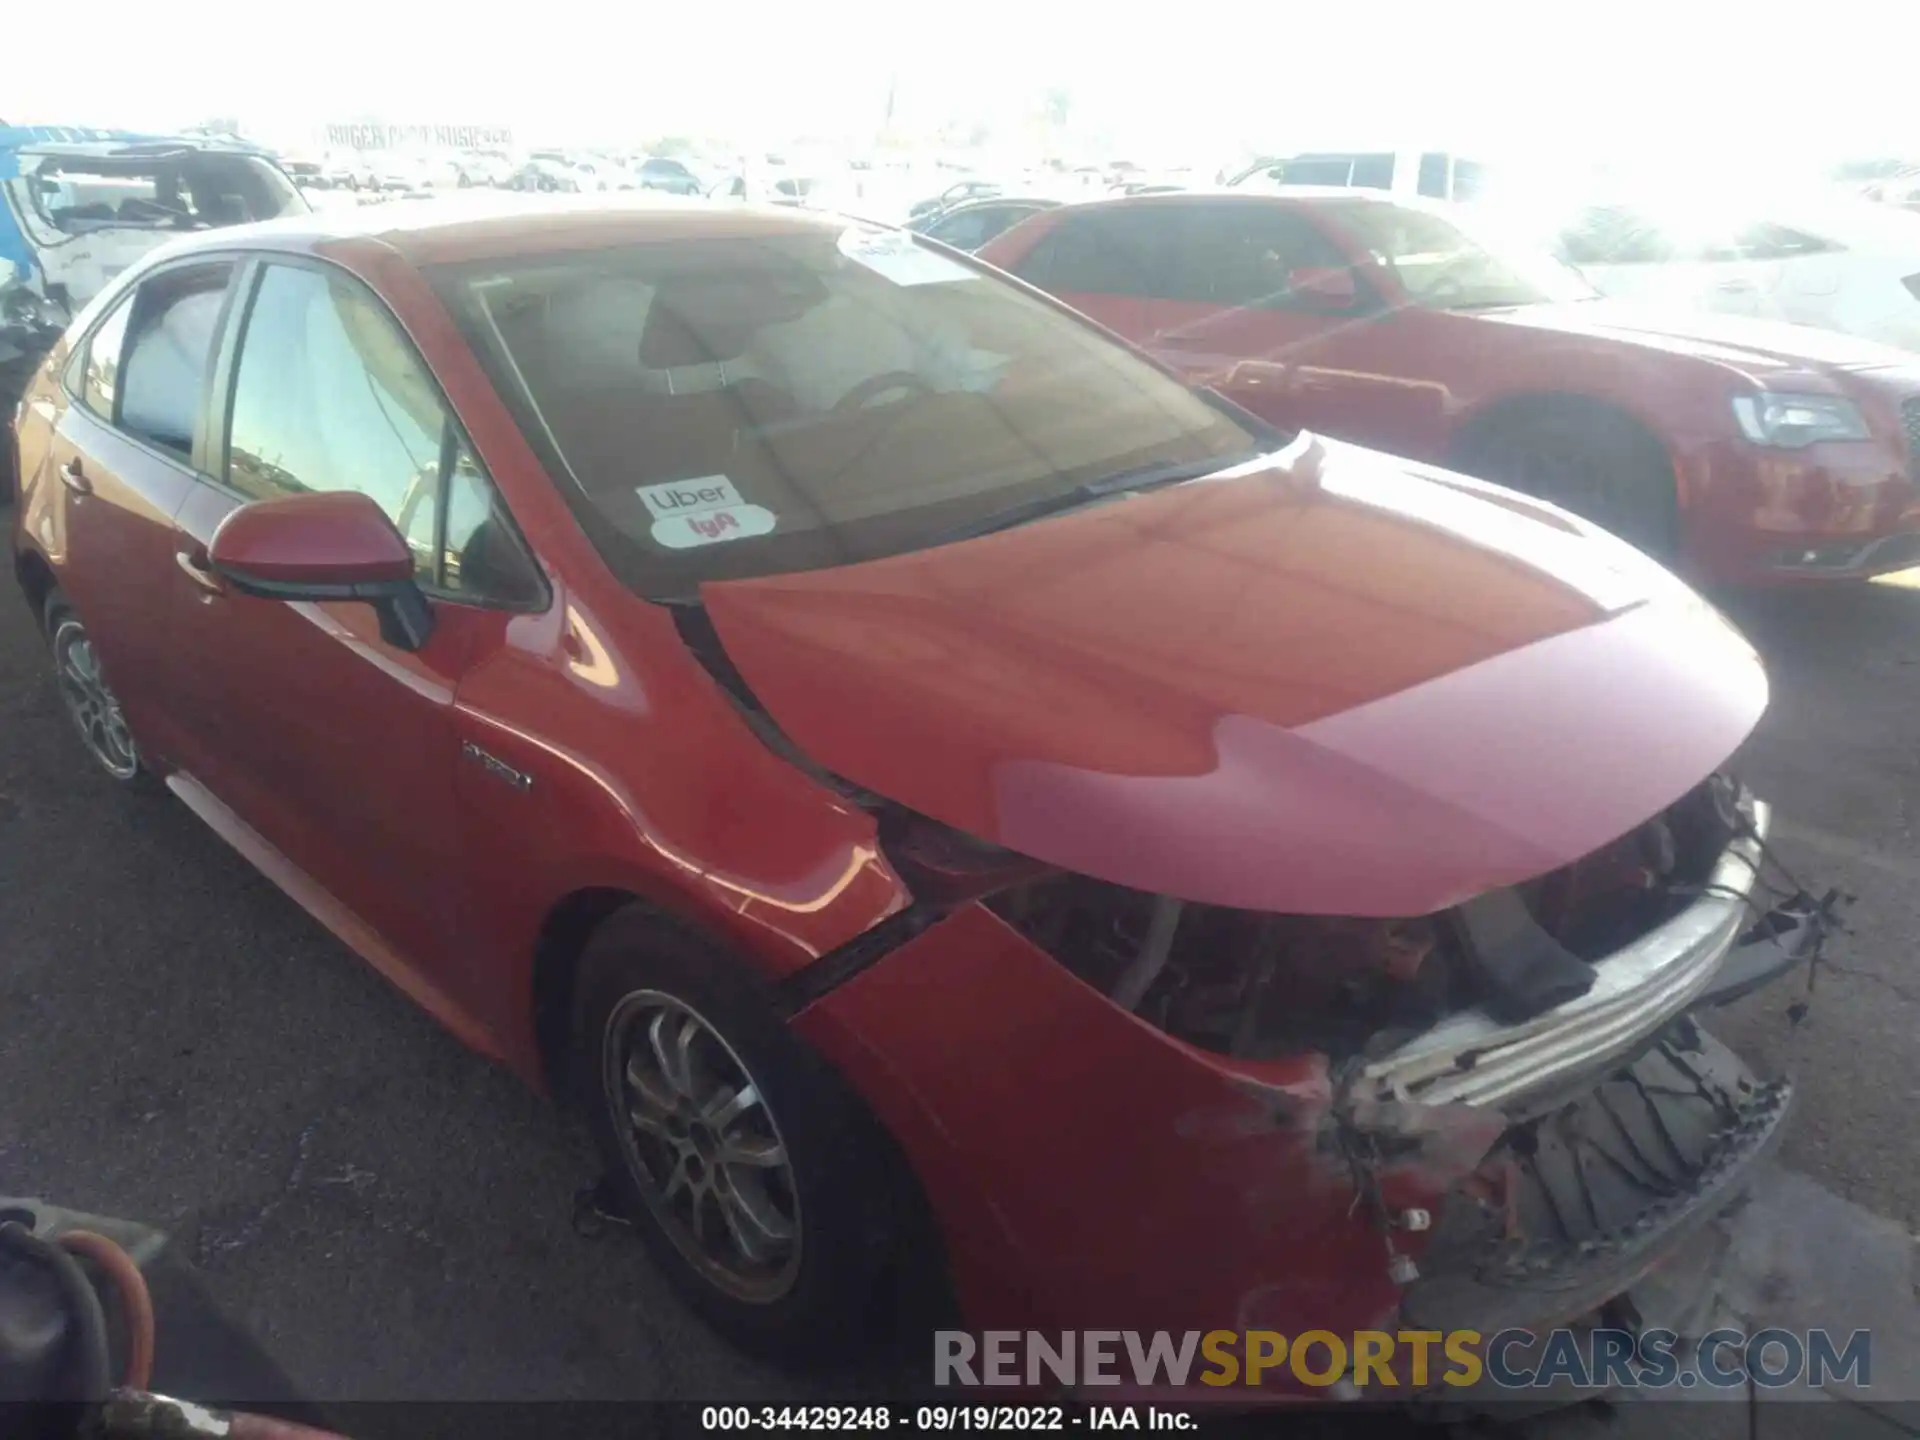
x: 702, y: 511
x: 710, y: 527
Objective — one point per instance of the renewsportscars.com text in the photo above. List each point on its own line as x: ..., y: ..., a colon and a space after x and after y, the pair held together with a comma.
x: 1405, y: 1359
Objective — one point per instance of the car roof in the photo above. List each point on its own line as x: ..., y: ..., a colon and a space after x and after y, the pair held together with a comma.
x: 1266, y: 195
x: 493, y: 226
x: 995, y: 202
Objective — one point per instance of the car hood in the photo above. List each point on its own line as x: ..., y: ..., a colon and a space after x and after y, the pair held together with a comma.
x: 1325, y: 682
x: 1755, y: 347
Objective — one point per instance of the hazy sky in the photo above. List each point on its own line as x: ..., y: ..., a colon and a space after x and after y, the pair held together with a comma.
x: 1758, y: 82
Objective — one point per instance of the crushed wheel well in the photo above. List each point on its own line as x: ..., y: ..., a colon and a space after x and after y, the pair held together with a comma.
x: 563, y: 935
x: 919, y: 1271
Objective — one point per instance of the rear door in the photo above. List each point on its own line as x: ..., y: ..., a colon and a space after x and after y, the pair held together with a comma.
x: 337, y: 747
x: 126, y: 451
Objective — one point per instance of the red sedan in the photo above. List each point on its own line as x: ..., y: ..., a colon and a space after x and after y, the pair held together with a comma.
x: 935, y: 790
x: 1747, y: 450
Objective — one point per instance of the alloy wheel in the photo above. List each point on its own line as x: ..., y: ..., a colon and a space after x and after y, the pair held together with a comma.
x: 703, y: 1146
x: 91, y: 702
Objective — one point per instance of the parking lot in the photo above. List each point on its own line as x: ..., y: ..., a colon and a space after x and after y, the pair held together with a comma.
x: 185, y: 1046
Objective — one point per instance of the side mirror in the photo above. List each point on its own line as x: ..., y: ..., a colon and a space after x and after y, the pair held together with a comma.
x: 333, y: 545
x: 1327, y: 287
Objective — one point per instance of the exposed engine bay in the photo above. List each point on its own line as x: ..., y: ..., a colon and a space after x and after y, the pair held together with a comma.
x: 1257, y: 986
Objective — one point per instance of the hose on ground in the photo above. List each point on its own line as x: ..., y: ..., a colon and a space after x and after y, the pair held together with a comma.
x: 86, y: 1371
x: 136, y: 1304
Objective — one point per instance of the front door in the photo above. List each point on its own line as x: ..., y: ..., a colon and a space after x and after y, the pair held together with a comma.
x: 337, y: 747
x: 1266, y: 307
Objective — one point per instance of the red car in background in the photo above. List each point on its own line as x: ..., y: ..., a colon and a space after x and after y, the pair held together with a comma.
x: 930, y: 786
x: 1744, y: 450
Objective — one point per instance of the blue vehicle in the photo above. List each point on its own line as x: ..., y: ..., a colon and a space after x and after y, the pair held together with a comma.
x: 78, y: 205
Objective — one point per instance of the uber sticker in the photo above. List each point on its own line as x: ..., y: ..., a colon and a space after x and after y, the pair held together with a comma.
x: 702, y: 511
x: 683, y: 497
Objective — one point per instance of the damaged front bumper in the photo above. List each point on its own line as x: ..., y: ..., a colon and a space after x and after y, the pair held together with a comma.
x: 1571, y: 1210
x: 1108, y: 1170
x: 1692, y: 960
x: 1629, y: 1128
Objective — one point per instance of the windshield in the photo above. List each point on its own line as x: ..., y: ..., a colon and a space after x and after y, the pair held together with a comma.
x: 1441, y: 266
x: 749, y: 406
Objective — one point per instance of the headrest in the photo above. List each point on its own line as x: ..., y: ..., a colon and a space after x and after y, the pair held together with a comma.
x: 670, y: 341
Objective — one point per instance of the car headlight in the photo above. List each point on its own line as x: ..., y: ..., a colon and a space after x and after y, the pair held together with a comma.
x: 1789, y: 422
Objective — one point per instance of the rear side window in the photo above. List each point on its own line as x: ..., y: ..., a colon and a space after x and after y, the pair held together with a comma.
x: 329, y: 395
x: 147, y: 363
x: 1105, y: 252
x: 1433, y: 175
x: 1245, y: 256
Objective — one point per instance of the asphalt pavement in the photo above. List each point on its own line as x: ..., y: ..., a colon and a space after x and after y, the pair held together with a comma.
x: 393, y: 1217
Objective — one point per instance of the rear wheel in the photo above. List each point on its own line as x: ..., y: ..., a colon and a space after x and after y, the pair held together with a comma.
x: 1603, y: 468
x: 755, y: 1176
x: 90, y: 701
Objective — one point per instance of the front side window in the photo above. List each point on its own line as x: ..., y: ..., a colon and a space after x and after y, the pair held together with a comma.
x: 1249, y: 256
x: 739, y: 407
x: 155, y: 389
x: 1122, y: 251
x: 329, y: 395
x: 1441, y: 265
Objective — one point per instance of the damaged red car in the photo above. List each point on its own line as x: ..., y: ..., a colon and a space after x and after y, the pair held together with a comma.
x: 935, y: 790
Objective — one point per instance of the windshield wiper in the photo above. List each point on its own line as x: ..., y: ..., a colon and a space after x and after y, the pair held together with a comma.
x: 1122, y: 482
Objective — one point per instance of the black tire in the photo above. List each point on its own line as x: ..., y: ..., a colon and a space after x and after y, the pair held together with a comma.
x: 109, y: 743
x: 847, y: 1209
x: 1602, y: 467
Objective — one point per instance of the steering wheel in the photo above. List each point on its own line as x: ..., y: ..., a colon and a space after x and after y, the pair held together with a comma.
x: 875, y: 386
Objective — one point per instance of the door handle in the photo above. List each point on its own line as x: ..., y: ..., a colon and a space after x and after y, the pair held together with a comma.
x: 196, y: 570
x: 75, y: 479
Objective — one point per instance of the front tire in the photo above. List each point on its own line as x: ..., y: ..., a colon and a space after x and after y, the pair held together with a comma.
x: 90, y: 701
x: 757, y: 1179
x: 1601, y: 467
